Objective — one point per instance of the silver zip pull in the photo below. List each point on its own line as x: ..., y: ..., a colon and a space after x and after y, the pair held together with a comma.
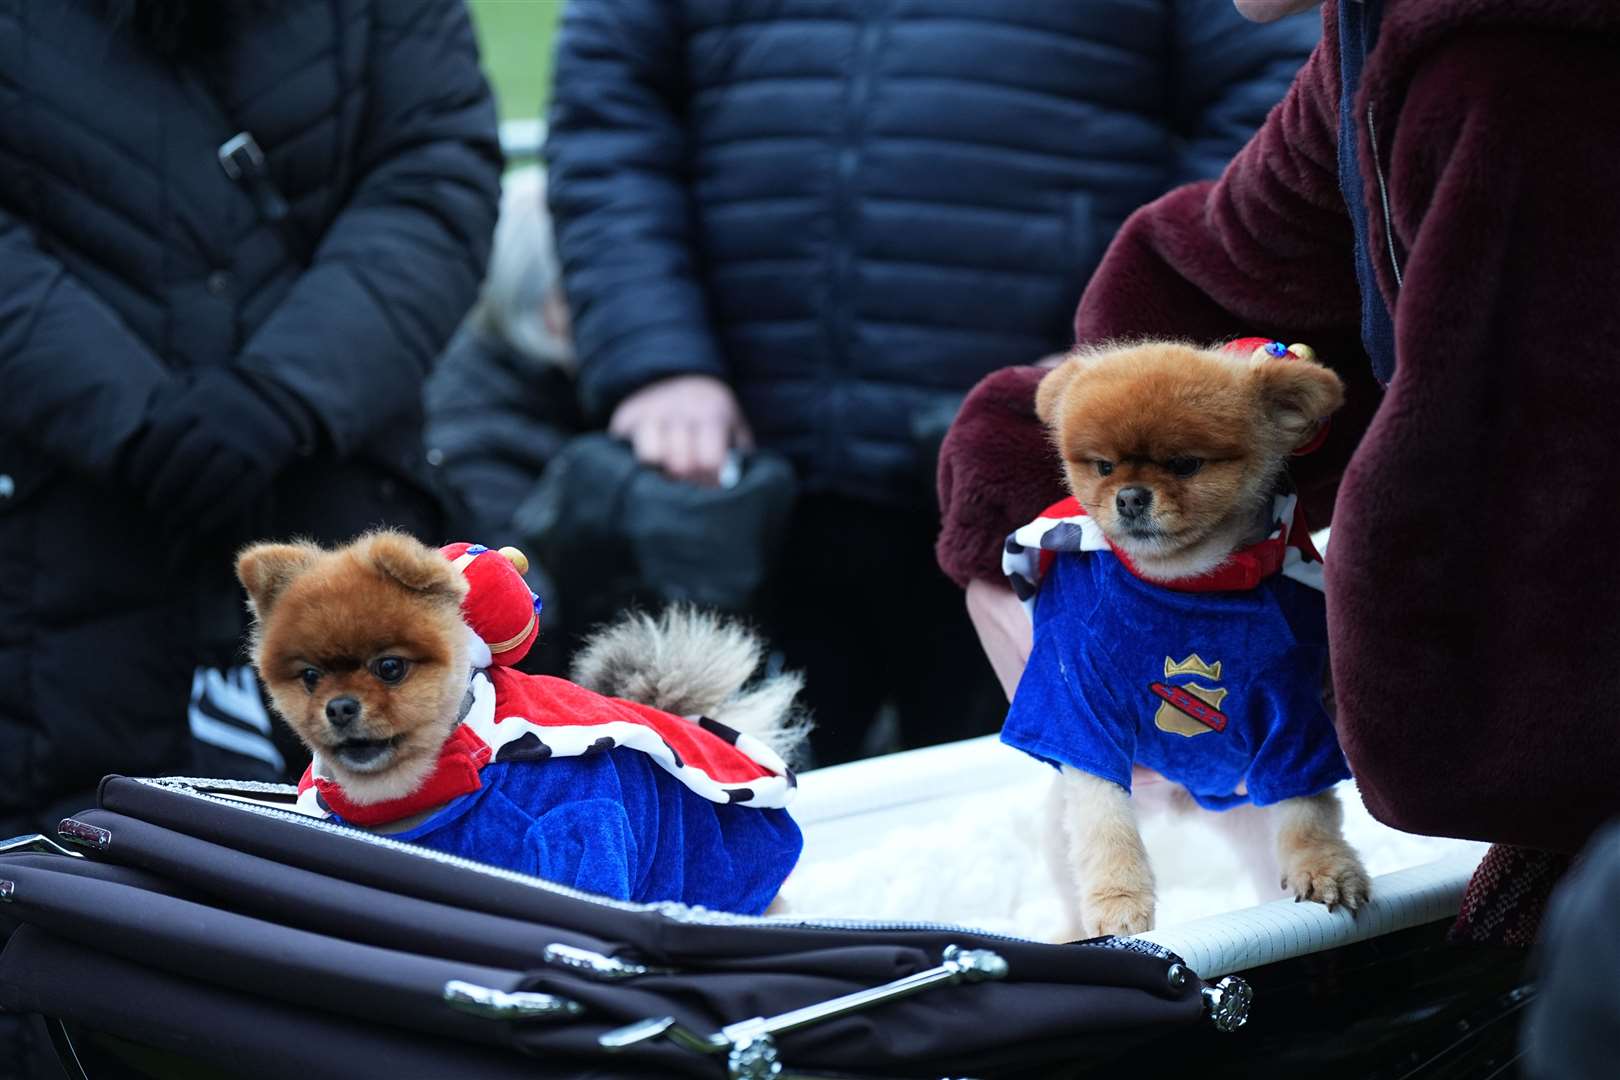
x: 958, y: 965
x: 243, y: 162
x: 494, y: 1004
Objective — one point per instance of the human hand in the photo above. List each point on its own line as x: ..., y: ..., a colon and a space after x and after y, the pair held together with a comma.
x: 209, y: 450
x: 683, y: 425
x: 1004, y: 628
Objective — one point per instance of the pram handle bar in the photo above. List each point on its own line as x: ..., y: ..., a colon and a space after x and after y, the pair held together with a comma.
x: 959, y: 965
x: 36, y: 842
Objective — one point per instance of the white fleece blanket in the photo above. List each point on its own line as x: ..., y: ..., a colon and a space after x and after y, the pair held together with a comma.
x: 976, y: 860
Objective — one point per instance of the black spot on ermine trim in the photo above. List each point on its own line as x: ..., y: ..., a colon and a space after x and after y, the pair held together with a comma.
x: 715, y: 727
x: 674, y: 753
x: 1064, y: 537
x: 526, y: 747
x: 604, y: 743
x: 739, y: 794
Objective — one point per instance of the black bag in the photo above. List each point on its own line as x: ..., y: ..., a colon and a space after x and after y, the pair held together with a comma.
x: 247, y: 937
x: 615, y: 534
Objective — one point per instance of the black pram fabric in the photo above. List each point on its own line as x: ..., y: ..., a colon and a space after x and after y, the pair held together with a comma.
x: 254, y: 939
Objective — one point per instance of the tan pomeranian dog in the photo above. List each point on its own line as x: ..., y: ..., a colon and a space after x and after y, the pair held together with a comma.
x: 1176, y: 623
x: 389, y: 660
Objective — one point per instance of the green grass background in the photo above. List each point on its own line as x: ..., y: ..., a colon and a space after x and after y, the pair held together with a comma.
x: 516, y: 39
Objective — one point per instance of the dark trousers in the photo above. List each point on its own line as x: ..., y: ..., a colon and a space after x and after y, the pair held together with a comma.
x: 863, y: 611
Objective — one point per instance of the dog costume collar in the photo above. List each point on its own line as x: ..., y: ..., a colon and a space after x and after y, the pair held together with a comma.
x: 1065, y: 526
x: 517, y: 717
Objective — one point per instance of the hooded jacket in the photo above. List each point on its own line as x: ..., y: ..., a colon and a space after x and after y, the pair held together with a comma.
x: 1469, y: 612
x: 306, y: 297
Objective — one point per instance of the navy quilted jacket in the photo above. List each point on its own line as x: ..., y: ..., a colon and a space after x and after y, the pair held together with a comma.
x: 854, y: 209
x: 129, y: 259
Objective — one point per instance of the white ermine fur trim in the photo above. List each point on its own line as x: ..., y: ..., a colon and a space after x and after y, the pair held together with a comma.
x: 695, y: 663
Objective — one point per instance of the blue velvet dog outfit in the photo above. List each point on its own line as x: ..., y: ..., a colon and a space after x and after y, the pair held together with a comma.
x: 1216, y: 683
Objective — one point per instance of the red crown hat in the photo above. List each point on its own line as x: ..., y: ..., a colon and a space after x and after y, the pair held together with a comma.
x: 1259, y: 348
x: 499, y: 606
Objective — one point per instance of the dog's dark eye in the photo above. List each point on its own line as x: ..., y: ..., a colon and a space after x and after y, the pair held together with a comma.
x: 1184, y: 466
x: 311, y: 676
x: 390, y: 669
x: 1103, y: 467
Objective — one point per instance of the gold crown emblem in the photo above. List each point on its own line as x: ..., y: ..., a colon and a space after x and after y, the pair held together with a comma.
x: 1193, y: 665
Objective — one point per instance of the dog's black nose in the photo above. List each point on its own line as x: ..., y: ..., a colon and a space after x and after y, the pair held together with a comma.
x: 342, y: 711
x: 1133, y: 502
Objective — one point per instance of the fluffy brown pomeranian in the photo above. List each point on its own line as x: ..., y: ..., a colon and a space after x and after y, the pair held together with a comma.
x: 364, y: 653
x: 1176, y: 456
x: 380, y: 656
x: 376, y: 627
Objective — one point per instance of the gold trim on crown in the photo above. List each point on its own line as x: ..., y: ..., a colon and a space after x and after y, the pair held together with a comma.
x: 1193, y: 665
x: 511, y: 643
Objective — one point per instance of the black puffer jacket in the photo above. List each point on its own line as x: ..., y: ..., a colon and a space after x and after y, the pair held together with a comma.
x: 852, y: 210
x: 134, y: 271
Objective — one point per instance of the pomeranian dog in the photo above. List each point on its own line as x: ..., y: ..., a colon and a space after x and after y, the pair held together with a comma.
x: 379, y: 656
x: 1176, y: 622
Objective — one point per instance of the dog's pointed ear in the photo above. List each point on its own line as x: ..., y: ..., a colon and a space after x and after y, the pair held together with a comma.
x: 413, y: 564
x: 266, y: 569
x: 1050, y: 391
x: 1297, y: 395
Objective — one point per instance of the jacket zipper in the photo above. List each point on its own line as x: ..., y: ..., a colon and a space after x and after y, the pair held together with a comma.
x: 1383, y: 197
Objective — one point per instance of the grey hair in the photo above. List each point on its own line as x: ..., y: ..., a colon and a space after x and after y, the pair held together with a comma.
x: 523, y: 272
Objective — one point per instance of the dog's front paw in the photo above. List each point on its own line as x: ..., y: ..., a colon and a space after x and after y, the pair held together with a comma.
x: 1328, y: 873
x: 1122, y: 912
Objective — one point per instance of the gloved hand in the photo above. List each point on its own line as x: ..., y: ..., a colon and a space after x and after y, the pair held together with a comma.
x: 209, y: 450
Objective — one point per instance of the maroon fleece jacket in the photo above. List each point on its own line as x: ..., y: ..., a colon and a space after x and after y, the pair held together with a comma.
x: 1473, y: 594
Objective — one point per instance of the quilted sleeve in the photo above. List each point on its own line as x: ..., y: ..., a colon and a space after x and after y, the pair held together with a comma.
x: 618, y: 158
x: 1228, y: 73
x: 402, y: 261
x: 77, y: 382
x: 1267, y: 245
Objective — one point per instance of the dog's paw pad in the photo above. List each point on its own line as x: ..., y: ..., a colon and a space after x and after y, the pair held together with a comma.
x: 1121, y: 913
x: 1330, y: 875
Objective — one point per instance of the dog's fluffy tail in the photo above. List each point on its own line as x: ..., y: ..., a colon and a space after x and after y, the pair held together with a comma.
x: 695, y: 663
